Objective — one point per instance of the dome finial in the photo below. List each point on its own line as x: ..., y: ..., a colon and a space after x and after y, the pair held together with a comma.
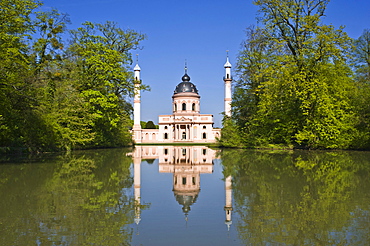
x: 227, y: 64
x: 137, y: 68
x: 186, y: 67
x: 186, y: 77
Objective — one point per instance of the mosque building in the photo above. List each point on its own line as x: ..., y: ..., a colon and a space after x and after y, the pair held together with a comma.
x: 186, y: 124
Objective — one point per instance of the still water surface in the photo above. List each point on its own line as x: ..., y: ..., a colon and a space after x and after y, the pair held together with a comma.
x: 163, y: 195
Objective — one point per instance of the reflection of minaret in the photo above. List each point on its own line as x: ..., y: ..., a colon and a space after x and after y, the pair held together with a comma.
x: 137, y: 182
x: 228, y: 203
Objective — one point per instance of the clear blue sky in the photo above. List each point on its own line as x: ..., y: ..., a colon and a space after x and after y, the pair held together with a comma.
x: 199, y: 31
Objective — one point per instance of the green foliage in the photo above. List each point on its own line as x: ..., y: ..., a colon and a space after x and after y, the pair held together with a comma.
x: 104, y: 79
x: 231, y: 135
x: 295, y: 85
x: 142, y: 124
x: 55, y: 96
x: 362, y: 57
x: 50, y: 27
x: 150, y: 125
x: 17, y: 95
x: 362, y: 98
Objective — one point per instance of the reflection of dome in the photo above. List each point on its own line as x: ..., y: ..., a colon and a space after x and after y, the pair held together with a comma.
x: 185, y: 85
x: 186, y: 201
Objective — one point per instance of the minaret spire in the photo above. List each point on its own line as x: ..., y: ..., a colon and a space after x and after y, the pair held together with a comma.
x: 227, y: 79
x: 137, y: 68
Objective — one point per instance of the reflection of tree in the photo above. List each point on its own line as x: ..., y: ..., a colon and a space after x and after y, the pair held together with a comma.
x: 80, y: 200
x: 300, y: 198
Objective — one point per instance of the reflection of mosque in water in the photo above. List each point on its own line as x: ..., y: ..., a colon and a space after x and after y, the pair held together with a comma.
x: 186, y: 163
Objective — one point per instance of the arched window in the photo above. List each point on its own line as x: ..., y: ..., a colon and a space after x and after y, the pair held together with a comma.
x: 184, y: 135
x: 165, y: 127
x: 166, y: 135
x: 184, y: 106
x: 204, y: 127
x: 193, y: 107
x: 204, y: 135
x: 175, y: 106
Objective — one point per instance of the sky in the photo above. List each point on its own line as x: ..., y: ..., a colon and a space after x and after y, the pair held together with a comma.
x: 198, y: 31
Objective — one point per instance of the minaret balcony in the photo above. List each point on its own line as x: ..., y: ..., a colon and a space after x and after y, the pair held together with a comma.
x: 230, y: 78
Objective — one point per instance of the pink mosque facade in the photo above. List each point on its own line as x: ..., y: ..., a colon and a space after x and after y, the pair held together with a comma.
x: 186, y: 124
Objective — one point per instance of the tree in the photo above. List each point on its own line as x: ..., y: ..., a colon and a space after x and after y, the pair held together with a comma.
x: 15, y: 27
x: 361, y: 61
x: 150, y: 125
x: 253, y: 59
x: 231, y: 134
x: 17, y: 95
x: 362, y: 57
x: 54, y: 96
x: 101, y: 56
x: 142, y: 124
x: 50, y: 26
x: 304, y: 90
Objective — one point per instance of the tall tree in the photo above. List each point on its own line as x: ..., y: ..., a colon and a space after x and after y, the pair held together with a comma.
x: 362, y: 57
x: 361, y: 60
x: 60, y: 105
x: 101, y: 54
x: 253, y: 59
x: 304, y: 97
x: 16, y: 92
x: 50, y: 26
x: 54, y: 96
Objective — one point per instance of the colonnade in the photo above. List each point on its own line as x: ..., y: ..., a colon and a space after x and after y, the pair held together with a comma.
x: 183, y: 132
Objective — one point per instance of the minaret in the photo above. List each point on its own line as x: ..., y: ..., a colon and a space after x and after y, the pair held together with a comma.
x: 137, y: 82
x: 228, y: 201
x: 228, y: 79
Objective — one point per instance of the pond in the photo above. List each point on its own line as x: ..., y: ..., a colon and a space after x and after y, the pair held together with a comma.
x: 186, y: 195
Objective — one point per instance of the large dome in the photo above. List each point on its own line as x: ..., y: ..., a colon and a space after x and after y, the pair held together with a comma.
x: 185, y: 86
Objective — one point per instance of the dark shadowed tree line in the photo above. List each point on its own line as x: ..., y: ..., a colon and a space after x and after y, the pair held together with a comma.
x: 300, y: 83
x: 63, y: 89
